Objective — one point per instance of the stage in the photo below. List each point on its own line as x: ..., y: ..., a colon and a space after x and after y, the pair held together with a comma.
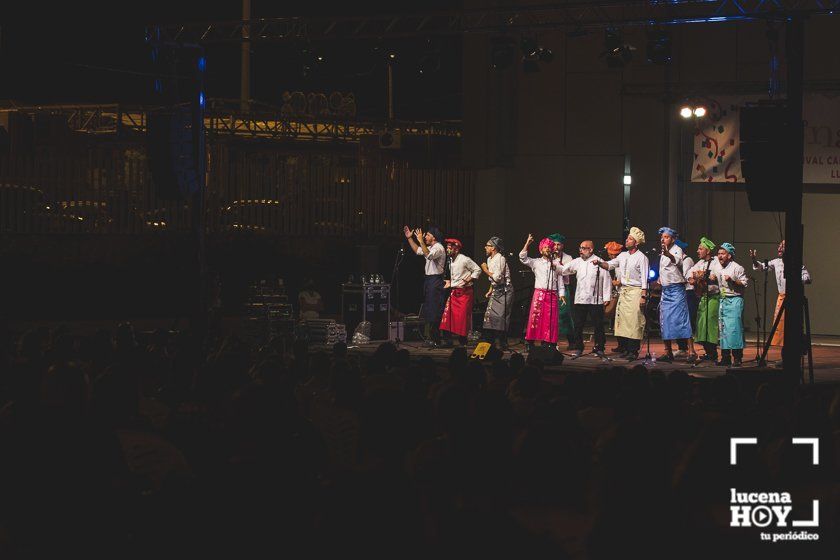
x: 826, y: 353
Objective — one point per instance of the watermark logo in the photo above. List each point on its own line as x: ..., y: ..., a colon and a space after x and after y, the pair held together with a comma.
x: 772, y: 509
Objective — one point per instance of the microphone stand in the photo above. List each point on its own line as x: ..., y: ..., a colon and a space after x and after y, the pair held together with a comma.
x: 761, y: 320
x: 449, y: 299
x: 758, y: 335
x: 764, y: 314
x: 395, y: 289
x: 647, y: 360
x: 599, y: 300
x: 548, y: 288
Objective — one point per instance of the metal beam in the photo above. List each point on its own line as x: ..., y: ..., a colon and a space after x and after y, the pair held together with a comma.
x: 568, y: 15
x: 109, y: 119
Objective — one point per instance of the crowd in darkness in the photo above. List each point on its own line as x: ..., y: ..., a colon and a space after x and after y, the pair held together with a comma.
x: 180, y: 446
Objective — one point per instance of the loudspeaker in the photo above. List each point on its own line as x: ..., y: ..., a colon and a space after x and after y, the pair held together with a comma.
x: 370, y: 303
x: 548, y: 355
x: 171, y: 152
x: 764, y: 146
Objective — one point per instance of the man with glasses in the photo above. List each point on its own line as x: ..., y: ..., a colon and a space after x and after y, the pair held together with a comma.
x: 593, y: 293
x: 500, y: 294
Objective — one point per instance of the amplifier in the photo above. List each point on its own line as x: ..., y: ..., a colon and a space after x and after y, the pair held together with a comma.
x: 366, y: 302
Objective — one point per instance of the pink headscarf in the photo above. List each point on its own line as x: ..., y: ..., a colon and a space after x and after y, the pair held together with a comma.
x: 546, y: 242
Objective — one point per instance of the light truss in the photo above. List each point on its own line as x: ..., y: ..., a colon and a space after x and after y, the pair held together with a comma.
x: 112, y: 119
x: 575, y: 14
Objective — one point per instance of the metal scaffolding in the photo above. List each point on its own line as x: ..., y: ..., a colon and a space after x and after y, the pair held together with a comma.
x: 567, y: 15
x: 112, y: 119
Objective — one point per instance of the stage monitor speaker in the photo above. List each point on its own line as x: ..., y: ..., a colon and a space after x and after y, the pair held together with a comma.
x: 172, y: 154
x: 764, y: 145
x: 548, y: 355
x: 366, y: 302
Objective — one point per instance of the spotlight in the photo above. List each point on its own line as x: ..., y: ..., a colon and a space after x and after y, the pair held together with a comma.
x: 658, y: 46
x: 502, y: 52
x: 686, y: 112
x: 533, y: 54
x: 429, y: 63
x: 700, y: 112
x: 429, y: 60
x: 529, y: 47
x: 616, y: 52
x: 612, y: 39
x: 545, y: 55
x: 391, y: 56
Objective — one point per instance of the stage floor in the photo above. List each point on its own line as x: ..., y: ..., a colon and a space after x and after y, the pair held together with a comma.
x: 826, y: 359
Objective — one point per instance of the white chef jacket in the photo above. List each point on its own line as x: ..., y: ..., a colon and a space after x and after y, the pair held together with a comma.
x: 632, y: 270
x: 778, y: 266
x: 688, y: 262
x: 565, y: 258
x: 547, y: 274
x: 460, y: 266
x: 671, y: 272
x: 714, y: 268
x: 735, y: 271
x: 586, y: 292
x: 499, y: 270
x: 435, y: 260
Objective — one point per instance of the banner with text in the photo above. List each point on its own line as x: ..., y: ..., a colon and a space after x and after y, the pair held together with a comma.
x: 716, y: 158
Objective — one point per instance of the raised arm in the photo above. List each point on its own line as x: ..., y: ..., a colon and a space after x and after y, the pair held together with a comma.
x: 409, y: 235
x: 756, y: 264
x: 523, y: 254
x: 421, y: 241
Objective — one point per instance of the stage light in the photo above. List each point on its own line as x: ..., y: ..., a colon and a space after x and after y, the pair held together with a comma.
x: 502, y: 52
x: 658, y: 46
x: 533, y: 54
x: 616, y: 53
x: 430, y: 59
x: 653, y: 271
x: 529, y: 47
x: 612, y: 39
x: 700, y: 112
x: 686, y: 112
x: 628, y: 179
x: 545, y: 55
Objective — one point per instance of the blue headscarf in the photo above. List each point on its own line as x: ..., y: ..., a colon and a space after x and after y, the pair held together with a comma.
x: 681, y: 244
x: 670, y: 231
x: 729, y: 248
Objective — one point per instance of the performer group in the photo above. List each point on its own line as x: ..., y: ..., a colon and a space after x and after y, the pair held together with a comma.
x: 700, y: 301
